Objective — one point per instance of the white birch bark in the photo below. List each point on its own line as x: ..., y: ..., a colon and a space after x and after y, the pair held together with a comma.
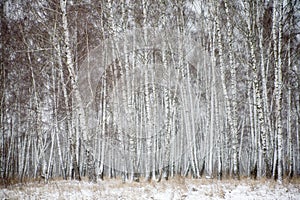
x: 80, y: 107
x: 192, y: 122
x: 297, y: 102
x: 289, y: 107
x: 215, y: 105
x: 277, y: 7
x: 103, y: 127
x: 264, y: 72
x: 147, y: 66
x: 233, y: 125
x: 224, y: 88
x: 102, y: 123
x: 55, y: 76
x: 71, y: 136
x: 133, y: 143
x: 212, y: 121
x: 259, y: 105
x: 252, y: 119
x: 40, y: 161
x: 167, y: 119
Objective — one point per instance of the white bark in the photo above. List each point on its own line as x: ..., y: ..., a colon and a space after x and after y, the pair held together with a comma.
x: 259, y: 105
x: 233, y: 125
x: 168, y: 120
x: 74, y: 82
x: 264, y: 78
x: 231, y: 118
x: 289, y: 107
x: 277, y: 7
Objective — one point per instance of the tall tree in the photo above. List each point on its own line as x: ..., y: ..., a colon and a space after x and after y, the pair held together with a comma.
x: 80, y: 107
x: 277, y: 42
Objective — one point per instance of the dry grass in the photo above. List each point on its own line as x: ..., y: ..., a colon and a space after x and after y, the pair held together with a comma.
x: 176, y: 187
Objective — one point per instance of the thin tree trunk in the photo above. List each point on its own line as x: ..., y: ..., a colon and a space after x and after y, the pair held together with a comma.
x: 259, y: 106
x: 227, y: 102
x: 74, y: 82
x: 289, y: 107
x: 233, y: 125
x: 278, y: 83
x: 212, y: 122
x: 168, y: 121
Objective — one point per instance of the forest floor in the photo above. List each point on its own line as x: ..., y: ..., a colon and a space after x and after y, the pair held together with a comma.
x: 176, y: 188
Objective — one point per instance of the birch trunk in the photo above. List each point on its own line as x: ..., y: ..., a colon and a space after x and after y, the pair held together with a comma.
x: 277, y: 7
x: 224, y: 88
x: 258, y: 105
x: 3, y: 77
x: 57, y: 131
x: 289, y: 107
x: 212, y: 123
x: 264, y: 78
x: 40, y: 162
x: 147, y: 68
x: 233, y: 125
x: 216, y: 105
x: 69, y: 127
x: 168, y: 122
x: 133, y: 143
x: 80, y: 107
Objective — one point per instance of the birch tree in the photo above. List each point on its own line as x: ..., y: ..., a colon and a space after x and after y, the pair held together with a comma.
x: 80, y: 106
x: 231, y: 118
x: 258, y: 106
x: 277, y: 38
x: 233, y: 111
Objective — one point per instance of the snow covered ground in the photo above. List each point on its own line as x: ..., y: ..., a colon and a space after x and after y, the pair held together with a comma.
x: 177, y: 188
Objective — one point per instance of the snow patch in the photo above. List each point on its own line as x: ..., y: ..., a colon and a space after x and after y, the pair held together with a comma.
x: 172, y: 189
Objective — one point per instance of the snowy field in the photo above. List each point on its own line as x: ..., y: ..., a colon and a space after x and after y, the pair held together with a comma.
x: 177, y: 188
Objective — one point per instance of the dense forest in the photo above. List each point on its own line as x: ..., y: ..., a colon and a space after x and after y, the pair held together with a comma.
x: 149, y: 89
